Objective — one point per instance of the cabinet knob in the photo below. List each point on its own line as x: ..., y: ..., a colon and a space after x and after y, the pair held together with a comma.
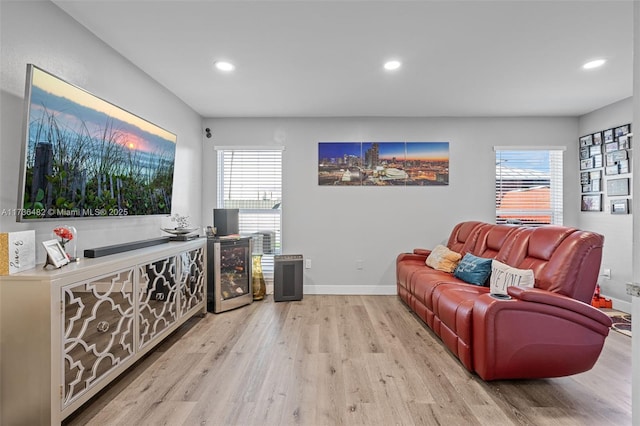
x: 103, y: 326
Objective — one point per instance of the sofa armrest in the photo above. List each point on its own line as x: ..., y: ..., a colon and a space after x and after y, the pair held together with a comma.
x: 422, y: 252
x: 404, y: 257
x: 535, y: 295
x: 535, y: 334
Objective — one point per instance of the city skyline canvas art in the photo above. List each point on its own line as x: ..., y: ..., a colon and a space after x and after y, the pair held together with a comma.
x: 383, y: 163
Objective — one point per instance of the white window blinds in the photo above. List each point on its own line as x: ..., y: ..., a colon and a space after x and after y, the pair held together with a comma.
x: 529, y: 186
x: 251, y: 181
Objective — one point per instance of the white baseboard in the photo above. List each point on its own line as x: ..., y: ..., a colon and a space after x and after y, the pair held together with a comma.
x: 374, y: 290
x: 620, y: 305
x: 389, y: 290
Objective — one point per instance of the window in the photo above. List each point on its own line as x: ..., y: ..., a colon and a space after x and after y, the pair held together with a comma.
x: 529, y: 185
x: 250, y: 179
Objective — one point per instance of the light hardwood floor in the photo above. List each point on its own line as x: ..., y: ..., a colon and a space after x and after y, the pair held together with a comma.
x: 343, y: 360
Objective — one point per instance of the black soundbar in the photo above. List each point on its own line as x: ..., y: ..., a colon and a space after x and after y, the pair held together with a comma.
x: 119, y: 248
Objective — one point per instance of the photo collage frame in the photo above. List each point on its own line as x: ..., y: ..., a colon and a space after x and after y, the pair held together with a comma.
x: 604, y: 157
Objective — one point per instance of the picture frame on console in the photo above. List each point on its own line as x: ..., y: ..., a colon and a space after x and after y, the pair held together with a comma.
x: 55, y: 254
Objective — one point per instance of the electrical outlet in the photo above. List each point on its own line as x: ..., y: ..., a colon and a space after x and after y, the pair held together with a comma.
x: 359, y: 264
x: 307, y: 263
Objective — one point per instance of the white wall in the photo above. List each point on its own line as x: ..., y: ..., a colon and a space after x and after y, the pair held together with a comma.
x: 635, y: 314
x: 336, y: 226
x: 617, y: 229
x: 40, y: 33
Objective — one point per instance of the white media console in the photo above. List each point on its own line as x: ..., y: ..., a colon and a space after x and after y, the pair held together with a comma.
x: 66, y: 333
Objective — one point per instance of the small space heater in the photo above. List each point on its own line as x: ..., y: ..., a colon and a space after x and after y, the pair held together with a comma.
x: 287, y: 277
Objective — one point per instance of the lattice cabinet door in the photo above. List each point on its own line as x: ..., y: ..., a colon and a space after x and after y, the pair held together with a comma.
x: 98, y: 326
x: 192, y: 279
x: 158, y: 301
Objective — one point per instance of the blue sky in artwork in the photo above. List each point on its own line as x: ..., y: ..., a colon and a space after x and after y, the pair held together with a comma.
x: 387, y: 150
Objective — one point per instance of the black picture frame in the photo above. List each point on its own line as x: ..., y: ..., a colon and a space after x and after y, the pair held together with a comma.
x: 595, y: 150
x: 591, y: 203
x: 611, y: 170
x: 619, y: 155
x: 624, y: 142
x: 597, y: 160
x: 621, y: 130
x: 611, y: 146
x: 608, y: 135
x: 618, y: 187
x: 624, y: 167
x: 586, y: 140
x: 584, y: 152
x: 585, y: 177
x: 597, y: 138
x: 586, y: 163
x: 620, y: 206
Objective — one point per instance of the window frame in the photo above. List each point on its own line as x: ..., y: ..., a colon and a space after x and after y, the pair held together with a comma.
x: 552, y: 179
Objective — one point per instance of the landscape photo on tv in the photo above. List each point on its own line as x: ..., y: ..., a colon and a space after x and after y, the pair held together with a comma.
x: 85, y: 157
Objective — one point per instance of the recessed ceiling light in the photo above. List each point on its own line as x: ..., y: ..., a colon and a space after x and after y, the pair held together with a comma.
x: 594, y: 64
x: 224, y: 66
x: 392, y: 65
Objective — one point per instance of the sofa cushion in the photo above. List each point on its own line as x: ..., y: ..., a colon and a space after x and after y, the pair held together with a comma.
x: 443, y: 259
x: 473, y: 269
x: 503, y: 276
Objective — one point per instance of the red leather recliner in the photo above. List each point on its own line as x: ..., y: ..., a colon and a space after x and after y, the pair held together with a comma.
x: 547, y: 331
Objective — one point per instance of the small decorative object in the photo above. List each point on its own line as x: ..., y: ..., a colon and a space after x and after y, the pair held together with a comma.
x: 258, y: 284
x: 182, y: 221
x: 183, y: 228
x: 68, y: 238
x: 17, y: 251
x: 56, y: 256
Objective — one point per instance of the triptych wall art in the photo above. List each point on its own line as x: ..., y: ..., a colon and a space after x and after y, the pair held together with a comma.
x: 605, y: 164
x: 383, y: 163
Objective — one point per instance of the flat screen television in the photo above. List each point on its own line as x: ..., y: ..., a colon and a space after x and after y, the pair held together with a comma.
x: 84, y: 157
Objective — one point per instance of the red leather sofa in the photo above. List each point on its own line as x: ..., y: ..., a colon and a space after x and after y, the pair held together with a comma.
x: 550, y: 330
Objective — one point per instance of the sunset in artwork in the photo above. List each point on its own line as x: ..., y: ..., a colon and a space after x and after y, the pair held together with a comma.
x: 98, y: 158
x: 383, y: 163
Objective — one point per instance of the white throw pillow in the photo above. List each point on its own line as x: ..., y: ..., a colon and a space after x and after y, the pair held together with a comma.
x: 503, y: 276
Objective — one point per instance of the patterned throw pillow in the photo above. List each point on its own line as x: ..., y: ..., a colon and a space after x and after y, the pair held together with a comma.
x: 443, y: 259
x: 473, y: 269
x: 503, y: 276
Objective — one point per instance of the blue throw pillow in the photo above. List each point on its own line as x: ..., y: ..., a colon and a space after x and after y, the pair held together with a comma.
x: 473, y: 269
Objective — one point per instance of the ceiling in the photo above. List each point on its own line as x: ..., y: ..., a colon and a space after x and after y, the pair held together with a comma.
x: 324, y: 58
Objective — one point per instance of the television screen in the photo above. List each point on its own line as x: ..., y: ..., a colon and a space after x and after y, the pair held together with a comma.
x: 85, y: 157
